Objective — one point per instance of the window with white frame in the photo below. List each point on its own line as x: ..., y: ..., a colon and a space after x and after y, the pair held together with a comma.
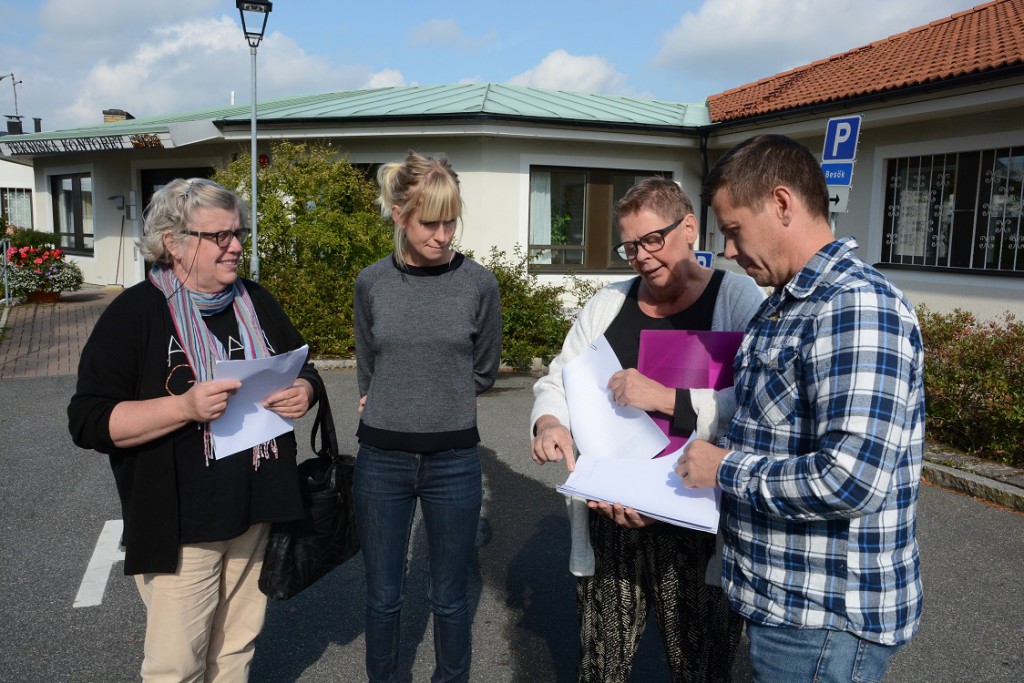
x: 16, y: 207
x: 571, y: 225
x: 959, y: 210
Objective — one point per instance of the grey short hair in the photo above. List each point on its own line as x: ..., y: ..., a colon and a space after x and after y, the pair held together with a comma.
x: 170, y: 213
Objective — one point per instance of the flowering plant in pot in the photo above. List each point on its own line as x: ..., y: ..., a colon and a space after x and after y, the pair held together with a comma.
x: 41, y: 270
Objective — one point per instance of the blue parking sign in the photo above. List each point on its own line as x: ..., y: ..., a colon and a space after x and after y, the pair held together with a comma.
x: 841, y: 138
x: 704, y: 258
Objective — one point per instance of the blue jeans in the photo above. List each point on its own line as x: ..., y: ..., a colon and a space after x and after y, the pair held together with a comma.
x: 791, y: 655
x: 449, y: 487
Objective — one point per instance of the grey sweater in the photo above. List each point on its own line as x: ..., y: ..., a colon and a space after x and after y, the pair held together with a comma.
x: 428, y: 341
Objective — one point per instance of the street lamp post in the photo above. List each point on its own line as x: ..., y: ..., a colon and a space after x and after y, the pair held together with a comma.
x: 254, y: 14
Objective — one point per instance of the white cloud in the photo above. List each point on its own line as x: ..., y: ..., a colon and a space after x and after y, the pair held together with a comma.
x: 447, y: 34
x: 560, y: 70
x: 741, y: 41
x: 388, y: 78
x: 197, y: 65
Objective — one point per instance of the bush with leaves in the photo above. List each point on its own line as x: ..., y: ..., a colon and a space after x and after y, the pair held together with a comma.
x: 534, y: 319
x: 318, y: 227
x: 974, y: 383
x: 32, y: 238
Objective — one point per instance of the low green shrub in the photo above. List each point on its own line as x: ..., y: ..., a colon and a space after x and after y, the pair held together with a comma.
x: 534, y: 322
x: 32, y: 238
x: 974, y: 383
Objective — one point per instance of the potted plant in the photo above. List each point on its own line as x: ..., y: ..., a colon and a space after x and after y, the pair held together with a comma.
x: 41, y: 273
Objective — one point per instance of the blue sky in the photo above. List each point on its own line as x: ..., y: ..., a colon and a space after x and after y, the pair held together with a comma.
x: 75, y: 58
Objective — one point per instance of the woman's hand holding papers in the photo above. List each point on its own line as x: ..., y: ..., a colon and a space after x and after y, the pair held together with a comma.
x: 293, y: 402
x: 552, y: 442
x: 623, y: 516
x: 630, y: 388
x: 698, y: 465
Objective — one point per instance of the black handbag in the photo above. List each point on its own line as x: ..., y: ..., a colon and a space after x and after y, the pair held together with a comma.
x: 299, y: 553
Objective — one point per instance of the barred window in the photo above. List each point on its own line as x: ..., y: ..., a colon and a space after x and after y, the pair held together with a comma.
x: 956, y: 211
x: 16, y: 207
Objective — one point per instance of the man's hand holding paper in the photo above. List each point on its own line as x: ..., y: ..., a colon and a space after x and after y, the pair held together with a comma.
x: 697, y: 467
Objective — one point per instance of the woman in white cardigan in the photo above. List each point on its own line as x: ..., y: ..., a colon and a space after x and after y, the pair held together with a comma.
x: 626, y: 561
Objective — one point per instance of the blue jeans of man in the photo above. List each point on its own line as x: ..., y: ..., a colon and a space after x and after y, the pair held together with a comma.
x: 448, y: 486
x: 792, y: 655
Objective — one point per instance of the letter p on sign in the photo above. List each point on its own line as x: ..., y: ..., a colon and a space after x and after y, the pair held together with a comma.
x: 841, y: 136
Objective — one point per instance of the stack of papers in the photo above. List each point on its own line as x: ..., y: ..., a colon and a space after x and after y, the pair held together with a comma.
x: 600, y: 427
x: 650, y: 487
x: 618, y: 444
x: 245, y: 422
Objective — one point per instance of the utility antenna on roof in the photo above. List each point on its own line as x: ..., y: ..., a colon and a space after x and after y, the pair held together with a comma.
x: 14, y: 86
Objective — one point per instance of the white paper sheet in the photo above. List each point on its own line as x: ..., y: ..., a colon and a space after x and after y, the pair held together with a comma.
x: 600, y: 428
x: 648, y: 486
x: 246, y: 422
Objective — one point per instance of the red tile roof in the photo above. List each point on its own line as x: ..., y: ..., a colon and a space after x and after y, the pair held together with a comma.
x: 977, y: 40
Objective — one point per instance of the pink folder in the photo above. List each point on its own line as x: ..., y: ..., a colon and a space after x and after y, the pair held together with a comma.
x: 686, y: 359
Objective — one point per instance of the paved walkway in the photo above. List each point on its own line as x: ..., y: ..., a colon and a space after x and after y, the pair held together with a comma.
x: 46, y: 340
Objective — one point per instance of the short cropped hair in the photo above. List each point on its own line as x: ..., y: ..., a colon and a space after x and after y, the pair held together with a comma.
x: 171, y: 209
x: 659, y: 195
x: 423, y: 182
x: 756, y: 166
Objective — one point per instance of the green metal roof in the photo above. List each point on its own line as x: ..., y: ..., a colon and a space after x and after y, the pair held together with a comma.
x: 481, y: 98
x: 410, y: 102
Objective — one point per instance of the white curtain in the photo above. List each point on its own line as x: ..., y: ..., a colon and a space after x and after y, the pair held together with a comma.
x: 540, y: 214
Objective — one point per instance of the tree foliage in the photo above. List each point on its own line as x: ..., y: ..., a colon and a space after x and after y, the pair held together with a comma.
x: 318, y: 227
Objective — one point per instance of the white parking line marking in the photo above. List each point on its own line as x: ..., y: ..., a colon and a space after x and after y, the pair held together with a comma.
x: 107, y: 553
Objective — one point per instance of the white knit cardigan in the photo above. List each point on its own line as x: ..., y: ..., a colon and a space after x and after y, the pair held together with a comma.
x: 738, y: 299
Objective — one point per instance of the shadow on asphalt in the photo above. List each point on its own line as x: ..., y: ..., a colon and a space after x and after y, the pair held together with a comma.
x: 522, y: 560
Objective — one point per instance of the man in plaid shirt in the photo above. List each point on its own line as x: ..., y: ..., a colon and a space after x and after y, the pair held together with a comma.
x: 822, y: 461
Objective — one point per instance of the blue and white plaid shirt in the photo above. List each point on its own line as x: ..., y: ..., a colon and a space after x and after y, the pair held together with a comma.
x: 825, y: 462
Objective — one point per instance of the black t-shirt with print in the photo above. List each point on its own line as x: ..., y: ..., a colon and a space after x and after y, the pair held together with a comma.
x: 219, y: 500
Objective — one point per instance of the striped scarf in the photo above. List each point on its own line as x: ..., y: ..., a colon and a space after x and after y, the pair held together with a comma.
x: 202, y: 348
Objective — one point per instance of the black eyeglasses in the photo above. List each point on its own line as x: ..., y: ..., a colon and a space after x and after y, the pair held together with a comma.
x: 651, y: 242
x: 223, y: 237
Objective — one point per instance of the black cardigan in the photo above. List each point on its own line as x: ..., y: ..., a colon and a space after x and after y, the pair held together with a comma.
x: 126, y: 359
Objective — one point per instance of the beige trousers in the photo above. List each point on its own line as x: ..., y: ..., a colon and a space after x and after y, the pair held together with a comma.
x: 202, y: 621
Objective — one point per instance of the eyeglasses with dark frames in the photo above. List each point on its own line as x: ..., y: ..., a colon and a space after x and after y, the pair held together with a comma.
x: 223, y: 237
x: 652, y: 242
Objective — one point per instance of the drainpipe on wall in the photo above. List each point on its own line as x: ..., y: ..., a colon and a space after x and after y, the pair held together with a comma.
x: 706, y: 233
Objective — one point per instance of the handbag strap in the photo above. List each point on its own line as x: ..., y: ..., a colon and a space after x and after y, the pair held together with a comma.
x: 324, y: 425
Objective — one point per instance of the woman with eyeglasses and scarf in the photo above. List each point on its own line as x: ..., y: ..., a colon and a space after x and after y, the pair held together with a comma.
x: 195, y: 520
x: 625, y: 561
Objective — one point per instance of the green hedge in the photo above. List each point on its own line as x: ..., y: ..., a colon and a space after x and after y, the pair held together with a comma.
x: 534, y: 317
x: 974, y: 383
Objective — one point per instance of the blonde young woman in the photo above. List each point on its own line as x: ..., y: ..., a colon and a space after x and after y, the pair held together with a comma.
x: 428, y: 342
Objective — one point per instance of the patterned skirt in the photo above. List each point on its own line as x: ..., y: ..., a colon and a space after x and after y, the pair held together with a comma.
x: 660, y: 566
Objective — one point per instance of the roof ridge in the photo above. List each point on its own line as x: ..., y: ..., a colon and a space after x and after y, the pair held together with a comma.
x: 990, y: 36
